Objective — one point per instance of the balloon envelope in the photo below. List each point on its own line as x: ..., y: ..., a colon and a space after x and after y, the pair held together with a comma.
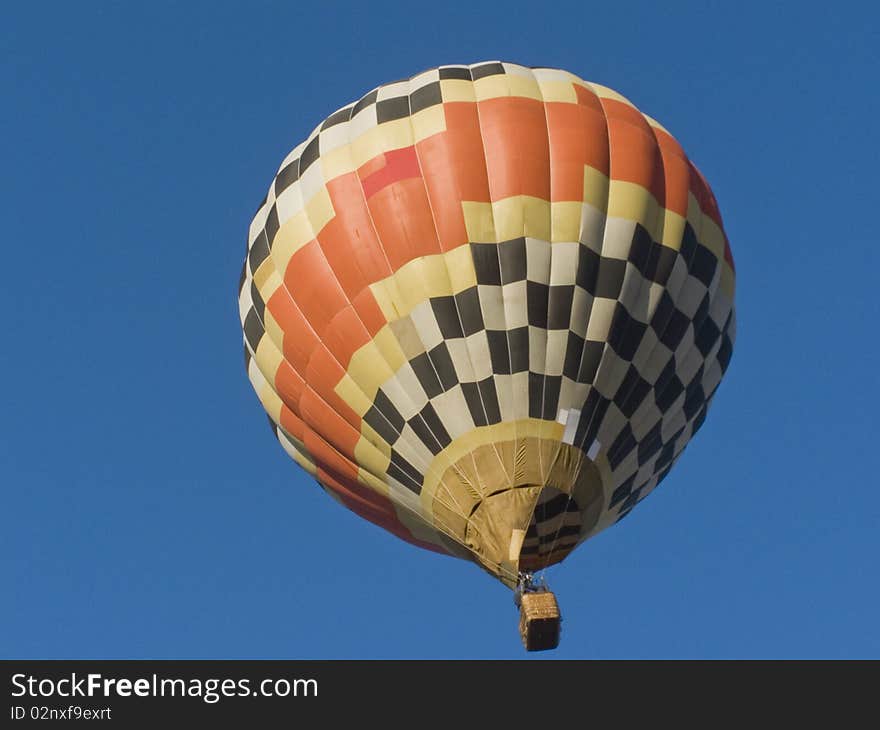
x: 487, y: 307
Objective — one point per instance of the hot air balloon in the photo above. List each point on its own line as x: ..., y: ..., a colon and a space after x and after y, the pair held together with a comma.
x: 487, y: 307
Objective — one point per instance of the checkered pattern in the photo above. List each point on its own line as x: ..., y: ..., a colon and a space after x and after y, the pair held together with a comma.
x: 617, y: 325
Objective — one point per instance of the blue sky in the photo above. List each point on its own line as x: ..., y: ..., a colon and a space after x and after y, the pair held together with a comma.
x: 149, y: 513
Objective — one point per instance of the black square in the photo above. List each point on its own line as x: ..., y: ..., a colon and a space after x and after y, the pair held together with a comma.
x: 288, y: 175
x: 486, y: 69
x: 499, y: 351
x: 490, y: 400
x: 474, y: 402
x: 468, y: 302
x: 365, y: 102
x: 518, y: 342
x: 632, y: 392
x: 272, y: 225
x: 253, y: 329
x: 559, y: 309
x: 703, y: 264
x: 389, y: 109
x: 343, y: 115
x: 426, y: 96
x: 259, y: 251
x: 404, y: 472
x: 626, y: 333
x: 309, y: 155
x: 446, y: 315
x: 486, y: 263
x: 455, y: 72
x: 259, y: 304
x: 621, y: 446
x: 443, y: 366
x: 512, y: 255
x: 424, y: 370
x: 537, y: 298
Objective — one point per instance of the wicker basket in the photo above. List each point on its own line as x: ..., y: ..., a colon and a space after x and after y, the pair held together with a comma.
x: 539, y: 621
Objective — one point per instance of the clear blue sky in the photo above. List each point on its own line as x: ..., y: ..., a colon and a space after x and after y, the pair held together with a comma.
x: 148, y: 512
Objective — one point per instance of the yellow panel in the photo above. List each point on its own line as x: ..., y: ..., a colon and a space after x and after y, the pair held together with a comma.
x: 350, y: 392
x: 264, y: 270
x: 268, y: 357
x: 565, y: 221
x: 385, y: 292
x: 290, y: 238
x: 273, y: 329
x: 460, y: 269
x: 320, y: 210
x: 522, y: 215
x: 385, y: 137
x: 603, y: 92
x: 416, y: 278
x: 673, y: 229
x: 479, y: 222
x: 424, y: 278
x: 271, y: 402
x: 634, y: 203
x: 712, y: 237
x: 368, y: 369
x: 428, y: 122
x: 389, y: 347
x: 596, y: 185
x: 555, y: 90
x: 493, y: 87
x: 337, y: 162
x: 457, y: 90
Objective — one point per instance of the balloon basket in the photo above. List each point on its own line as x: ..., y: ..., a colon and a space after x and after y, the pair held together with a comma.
x: 539, y: 621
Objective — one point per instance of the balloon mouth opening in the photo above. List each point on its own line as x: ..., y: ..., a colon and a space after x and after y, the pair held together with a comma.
x: 519, y: 505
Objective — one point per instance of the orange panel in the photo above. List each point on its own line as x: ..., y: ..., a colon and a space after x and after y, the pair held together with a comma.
x: 327, y: 454
x: 676, y: 171
x: 454, y: 170
x: 292, y: 423
x: 404, y: 222
x: 514, y: 133
x: 323, y: 374
x: 578, y: 137
x: 289, y: 385
x: 634, y: 152
x: 369, y: 312
x: 399, y: 164
x: 349, y: 240
x: 345, y: 335
x: 314, y: 287
x: 299, y: 338
x: 587, y: 98
x: 330, y: 419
